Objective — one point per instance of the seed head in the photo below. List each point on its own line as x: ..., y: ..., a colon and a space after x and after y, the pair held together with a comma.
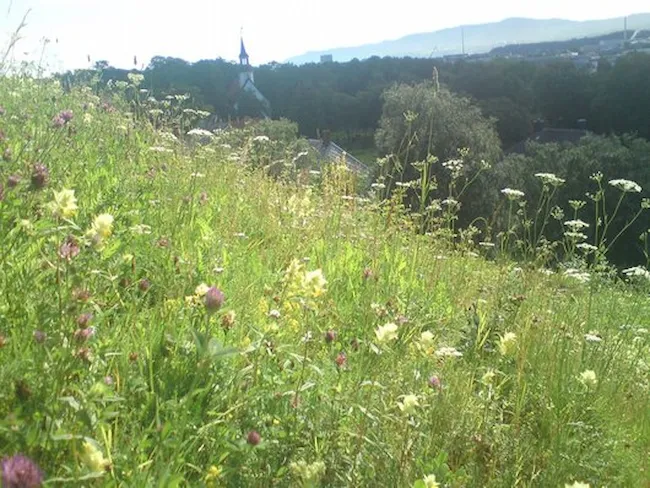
x: 40, y: 175
x: 144, y: 284
x: 40, y: 336
x: 341, y: 359
x: 253, y: 438
x: 84, y: 319
x: 13, y: 181
x: 330, y: 336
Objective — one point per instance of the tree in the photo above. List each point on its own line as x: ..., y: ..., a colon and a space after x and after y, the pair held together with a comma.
x: 422, y: 120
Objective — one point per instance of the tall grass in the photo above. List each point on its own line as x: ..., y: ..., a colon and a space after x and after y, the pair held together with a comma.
x: 115, y: 373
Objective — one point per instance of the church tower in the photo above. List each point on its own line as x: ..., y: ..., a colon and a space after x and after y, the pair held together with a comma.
x: 246, y: 73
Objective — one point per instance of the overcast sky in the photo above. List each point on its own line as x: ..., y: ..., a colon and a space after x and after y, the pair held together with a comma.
x: 274, y: 30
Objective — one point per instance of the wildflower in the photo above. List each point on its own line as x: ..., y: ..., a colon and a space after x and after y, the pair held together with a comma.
x: 213, y: 299
x: 13, y: 181
x: 637, y: 271
x: 160, y: 149
x: 314, y: 282
x: 586, y: 247
x: 487, y: 245
x: 368, y: 274
x: 40, y: 336
x: 430, y: 481
x: 386, y: 332
x: 593, y: 336
x: 103, y: 226
x: 84, y: 319
x: 40, y: 175
x: 58, y: 122
x: 448, y: 352
x: 69, y: 249
x: 213, y: 474
x: 577, y: 484
x: 508, y: 343
x: 200, y: 133
x: 330, y: 336
x: 274, y: 314
x: 135, y: 78
x: 88, y: 118
x: 20, y: 472
x: 626, y: 186
x: 228, y: 320
x: 409, y: 404
x: 434, y: 382
x: 488, y: 377
x: 588, y: 378
x: 64, y: 204
x: 144, y: 284
x: 93, y: 458
x: 261, y: 139
x: 582, y: 277
x: 310, y: 474
x: 576, y: 225
x: 550, y: 179
x: 577, y: 236
x: 426, y: 341
x: 341, y: 359
x: 66, y: 115
x: 82, y: 335
x: 7, y: 154
x: 253, y: 438
x: 513, y: 194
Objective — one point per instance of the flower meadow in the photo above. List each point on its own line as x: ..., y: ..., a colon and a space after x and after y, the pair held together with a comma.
x: 171, y: 315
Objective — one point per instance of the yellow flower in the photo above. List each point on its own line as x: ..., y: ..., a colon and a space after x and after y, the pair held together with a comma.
x: 425, y: 344
x: 93, y: 458
x: 409, y: 404
x: 64, y: 204
x: 386, y: 332
x: 488, y: 377
x: 508, y: 343
x: 430, y: 481
x: 103, y: 225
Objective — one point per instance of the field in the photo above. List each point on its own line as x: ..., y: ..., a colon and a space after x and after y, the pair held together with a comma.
x: 183, y: 319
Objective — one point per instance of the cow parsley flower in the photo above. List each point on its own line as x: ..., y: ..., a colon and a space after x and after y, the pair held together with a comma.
x: 448, y: 352
x: 576, y: 225
x: 638, y: 272
x: 588, y: 378
x: 626, y: 186
x: 550, y: 179
x: 200, y: 133
x: 513, y: 194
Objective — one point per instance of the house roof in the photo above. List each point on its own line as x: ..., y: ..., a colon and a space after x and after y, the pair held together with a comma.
x: 548, y: 136
x: 331, y: 152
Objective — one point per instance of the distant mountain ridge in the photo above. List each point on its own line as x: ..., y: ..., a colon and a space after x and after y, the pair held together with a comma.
x: 481, y: 38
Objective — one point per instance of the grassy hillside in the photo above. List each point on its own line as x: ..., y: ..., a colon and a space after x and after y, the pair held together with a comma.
x: 184, y: 320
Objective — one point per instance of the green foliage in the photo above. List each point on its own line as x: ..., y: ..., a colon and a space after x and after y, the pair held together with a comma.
x: 114, y: 373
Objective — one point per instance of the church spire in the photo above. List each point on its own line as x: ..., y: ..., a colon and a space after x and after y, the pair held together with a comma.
x: 243, y: 55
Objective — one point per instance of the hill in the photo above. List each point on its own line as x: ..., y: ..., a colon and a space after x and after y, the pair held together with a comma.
x: 203, y: 310
x: 480, y: 38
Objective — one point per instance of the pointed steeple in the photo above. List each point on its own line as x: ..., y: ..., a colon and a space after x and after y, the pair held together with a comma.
x: 243, y: 55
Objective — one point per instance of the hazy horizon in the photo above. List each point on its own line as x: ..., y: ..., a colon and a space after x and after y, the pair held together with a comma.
x: 273, y: 31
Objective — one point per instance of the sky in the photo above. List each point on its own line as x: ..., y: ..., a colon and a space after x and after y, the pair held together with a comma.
x: 273, y: 30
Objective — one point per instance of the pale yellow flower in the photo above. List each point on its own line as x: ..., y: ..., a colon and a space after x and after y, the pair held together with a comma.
x: 64, y: 204
x: 386, y: 332
x: 577, y: 484
x: 426, y: 340
x: 103, y: 225
x: 409, y: 404
x: 93, y: 458
x: 430, y: 481
x: 508, y: 343
x: 201, y: 290
x: 314, y: 282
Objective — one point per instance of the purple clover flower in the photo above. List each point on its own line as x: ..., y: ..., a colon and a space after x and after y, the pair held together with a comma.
x: 20, y: 472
